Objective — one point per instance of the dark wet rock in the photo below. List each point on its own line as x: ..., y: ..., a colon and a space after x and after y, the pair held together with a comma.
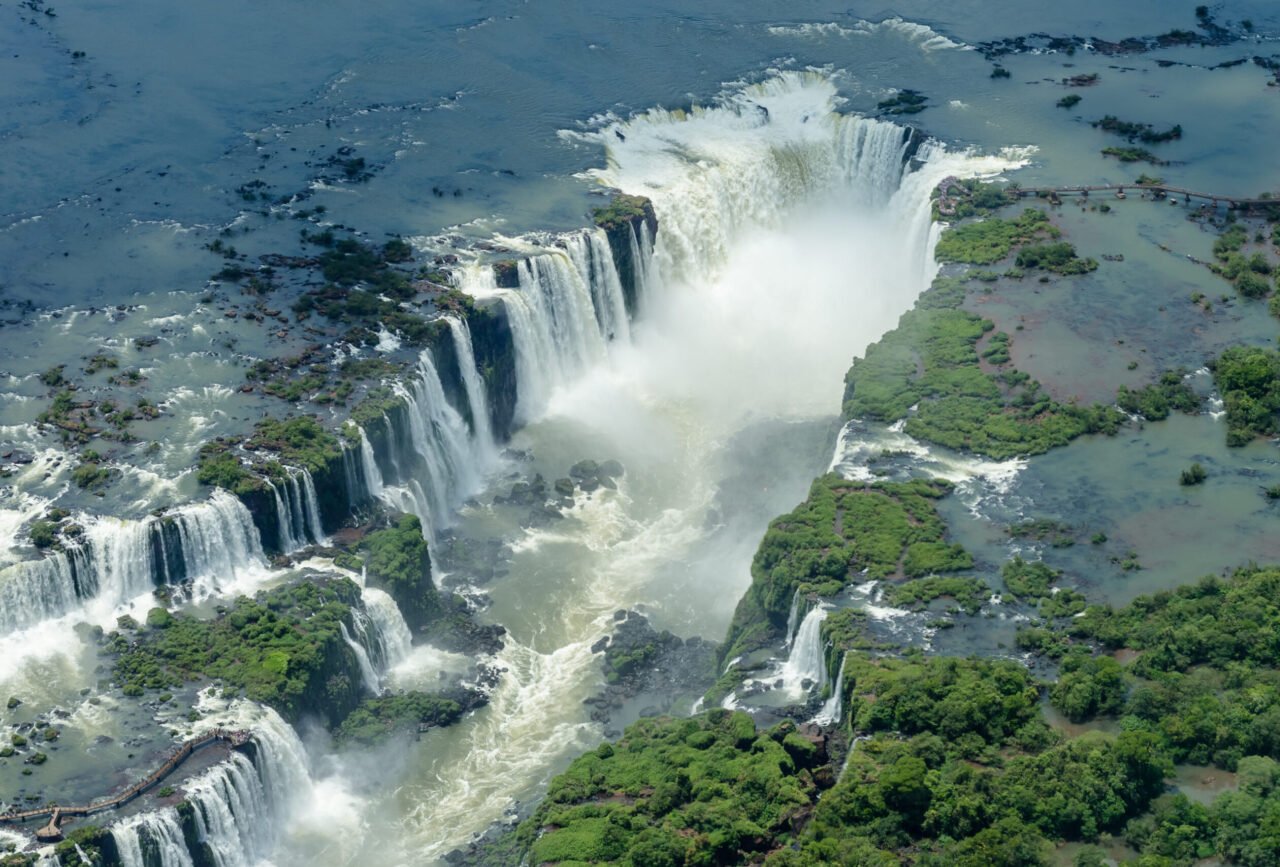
x: 564, y: 487
x: 640, y: 662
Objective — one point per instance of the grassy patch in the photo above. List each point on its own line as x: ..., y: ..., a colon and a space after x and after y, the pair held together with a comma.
x: 931, y: 361
x: 988, y: 241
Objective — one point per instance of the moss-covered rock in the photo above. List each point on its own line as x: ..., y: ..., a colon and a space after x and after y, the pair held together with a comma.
x: 283, y: 647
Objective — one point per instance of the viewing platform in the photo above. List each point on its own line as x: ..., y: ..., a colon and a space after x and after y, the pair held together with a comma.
x: 57, y: 812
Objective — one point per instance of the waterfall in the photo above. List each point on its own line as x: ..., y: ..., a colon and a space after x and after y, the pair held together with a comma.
x: 806, y: 661
x: 36, y: 590
x: 151, y: 839
x: 371, y: 680
x: 641, y: 258
x: 447, y: 468
x: 238, y: 805
x: 210, y: 544
x: 554, y: 322
x: 311, y: 507
x: 592, y: 256
x: 369, y: 467
x: 791, y: 617
x: 219, y: 542
x: 298, y: 512
x: 481, y: 423
x: 284, y: 520
x: 833, y: 707
x: 391, y: 633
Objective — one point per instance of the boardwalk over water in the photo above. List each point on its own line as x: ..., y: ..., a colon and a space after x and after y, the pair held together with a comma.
x: 235, y: 739
x: 1161, y: 191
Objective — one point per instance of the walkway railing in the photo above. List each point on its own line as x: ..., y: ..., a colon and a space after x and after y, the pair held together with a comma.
x: 236, y: 739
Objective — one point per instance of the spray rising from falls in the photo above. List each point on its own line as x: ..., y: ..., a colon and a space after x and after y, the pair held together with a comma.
x: 791, y: 237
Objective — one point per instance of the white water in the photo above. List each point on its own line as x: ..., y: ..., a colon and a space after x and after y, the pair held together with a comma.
x: 792, y: 617
x: 371, y: 680
x: 807, y: 662
x: 833, y: 707
x: 159, y: 832
x: 117, y: 560
x: 554, y: 325
x: 789, y: 239
x: 478, y: 402
x: 284, y: 519
x: 444, y: 467
x: 390, y: 630
x: 241, y: 806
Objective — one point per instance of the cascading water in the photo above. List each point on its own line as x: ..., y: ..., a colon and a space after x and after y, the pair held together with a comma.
x: 443, y: 468
x: 592, y: 257
x: 793, y: 617
x: 833, y: 707
x: 311, y: 507
x: 792, y: 236
x: 213, y: 544
x: 151, y: 840
x: 284, y: 520
x: 360, y: 648
x: 478, y: 402
x: 391, y: 633
x: 806, y: 662
x: 554, y: 325
x: 238, y: 804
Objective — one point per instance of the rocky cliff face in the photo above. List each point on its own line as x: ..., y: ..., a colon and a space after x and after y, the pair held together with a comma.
x: 622, y: 221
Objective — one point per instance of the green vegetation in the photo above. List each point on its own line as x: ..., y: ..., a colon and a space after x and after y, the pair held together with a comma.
x: 376, y: 718
x: 969, y: 593
x: 1071, y: 100
x: 1248, y: 378
x: 301, y: 442
x: 931, y: 361
x: 1154, y: 402
x: 1193, y: 475
x: 53, y: 376
x: 1132, y: 155
x: 1057, y: 534
x: 43, y: 534
x: 1143, y: 132
x: 398, y: 562
x: 1059, y: 257
x: 842, y: 529
x: 283, y: 647
x: 1206, y: 680
x: 988, y: 241
x: 90, y: 474
x: 622, y: 209
x: 707, y: 790
x: 968, y: 198
x: 1028, y: 580
x: 1088, y: 686
x: 221, y: 468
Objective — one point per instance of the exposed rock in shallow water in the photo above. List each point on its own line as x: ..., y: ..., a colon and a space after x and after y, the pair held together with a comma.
x: 641, y: 663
